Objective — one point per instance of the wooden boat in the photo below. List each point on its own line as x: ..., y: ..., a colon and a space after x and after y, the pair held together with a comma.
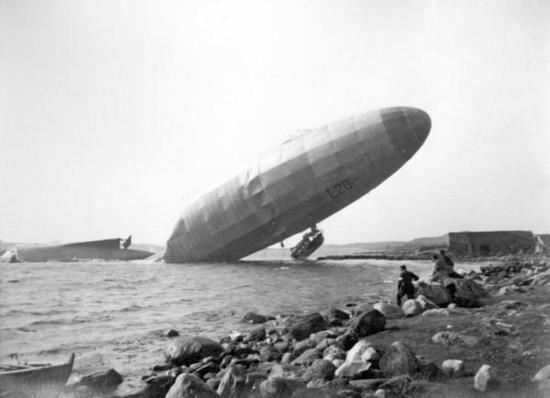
x: 43, y: 382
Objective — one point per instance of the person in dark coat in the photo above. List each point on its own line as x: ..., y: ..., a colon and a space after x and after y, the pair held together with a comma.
x: 405, y: 286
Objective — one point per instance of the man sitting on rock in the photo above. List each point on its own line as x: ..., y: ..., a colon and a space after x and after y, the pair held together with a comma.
x: 405, y: 285
x: 444, y: 273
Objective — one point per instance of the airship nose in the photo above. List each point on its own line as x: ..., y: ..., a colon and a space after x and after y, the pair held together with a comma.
x: 420, y: 123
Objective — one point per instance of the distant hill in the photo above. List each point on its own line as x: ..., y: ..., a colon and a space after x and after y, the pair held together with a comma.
x: 412, y: 245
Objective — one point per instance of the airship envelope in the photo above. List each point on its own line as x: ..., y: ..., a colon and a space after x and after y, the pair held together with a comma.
x: 297, y: 184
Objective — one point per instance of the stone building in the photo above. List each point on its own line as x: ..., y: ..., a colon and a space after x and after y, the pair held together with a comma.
x: 491, y: 243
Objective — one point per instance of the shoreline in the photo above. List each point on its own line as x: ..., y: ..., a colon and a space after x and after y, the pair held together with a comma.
x: 509, y: 331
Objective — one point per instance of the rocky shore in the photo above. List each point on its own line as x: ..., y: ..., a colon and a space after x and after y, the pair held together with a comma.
x: 494, y: 341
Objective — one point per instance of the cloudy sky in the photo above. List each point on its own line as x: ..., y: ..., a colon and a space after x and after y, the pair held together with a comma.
x: 114, y: 115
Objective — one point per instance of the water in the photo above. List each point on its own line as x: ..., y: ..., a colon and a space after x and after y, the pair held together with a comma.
x: 113, y: 314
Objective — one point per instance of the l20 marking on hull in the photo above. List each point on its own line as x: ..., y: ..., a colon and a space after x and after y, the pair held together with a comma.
x: 340, y: 188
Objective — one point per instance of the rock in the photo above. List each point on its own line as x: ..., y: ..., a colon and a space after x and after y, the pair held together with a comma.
x: 257, y: 334
x: 388, y: 310
x: 307, y: 357
x: 323, y: 335
x: 302, y: 346
x: 171, y: 333
x: 399, y: 359
x: 269, y: 353
x: 452, y: 338
x: 233, y: 383
x: 205, y: 368
x: 485, y: 378
x: 190, y: 386
x: 541, y: 279
x: 286, y: 358
x: 157, y: 387
x: 468, y: 289
x: 101, y: 381
x: 279, y: 387
x: 434, y: 292
x: 380, y: 393
x: 368, y: 323
x: 252, y: 317
x: 347, y: 340
x: 354, y: 370
x: 302, y: 327
x: 335, y: 313
x: 338, y: 362
x: 426, y: 303
x: 428, y: 371
x: 320, y: 369
x: 362, y: 308
x: 542, y: 374
x: 411, y: 308
x: 333, y: 352
x: 188, y: 350
x: 453, y: 367
x: 355, y: 353
x: 437, y: 312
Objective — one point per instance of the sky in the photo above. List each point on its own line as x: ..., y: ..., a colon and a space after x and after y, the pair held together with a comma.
x: 115, y: 115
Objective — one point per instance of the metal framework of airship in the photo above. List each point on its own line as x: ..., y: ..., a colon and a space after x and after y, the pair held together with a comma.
x: 297, y: 184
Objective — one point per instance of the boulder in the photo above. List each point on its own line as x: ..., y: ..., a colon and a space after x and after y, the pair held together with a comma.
x: 333, y: 352
x: 347, y: 340
x: 426, y: 303
x: 188, y: 350
x: 190, y: 386
x: 388, y: 310
x: 485, y: 378
x: 252, y: 317
x: 469, y: 289
x: 101, y: 381
x: 434, y: 292
x: 320, y: 369
x: 302, y: 346
x: 156, y: 387
x: 233, y: 383
x: 356, y: 352
x: 542, y: 374
x: 368, y: 323
x: 301, y: 328
x: 335, y: 313
x: 307, y: 357
x: 453, y: 367
x: 411, y: 308
x: 354, y: 370
x: 279, y: 387
x: 257, y: 334
x: 171, y: 333
x: 269, y: 353
x: 399, y: 359
x: 454, y: 338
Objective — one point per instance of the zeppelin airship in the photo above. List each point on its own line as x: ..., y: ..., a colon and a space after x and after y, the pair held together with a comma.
x: 297, y: 184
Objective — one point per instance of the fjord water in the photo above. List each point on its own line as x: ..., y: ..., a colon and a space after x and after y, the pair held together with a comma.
x: 113, y: 314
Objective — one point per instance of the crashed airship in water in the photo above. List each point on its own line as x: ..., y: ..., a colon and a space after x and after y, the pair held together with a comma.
x: 298, y: 184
